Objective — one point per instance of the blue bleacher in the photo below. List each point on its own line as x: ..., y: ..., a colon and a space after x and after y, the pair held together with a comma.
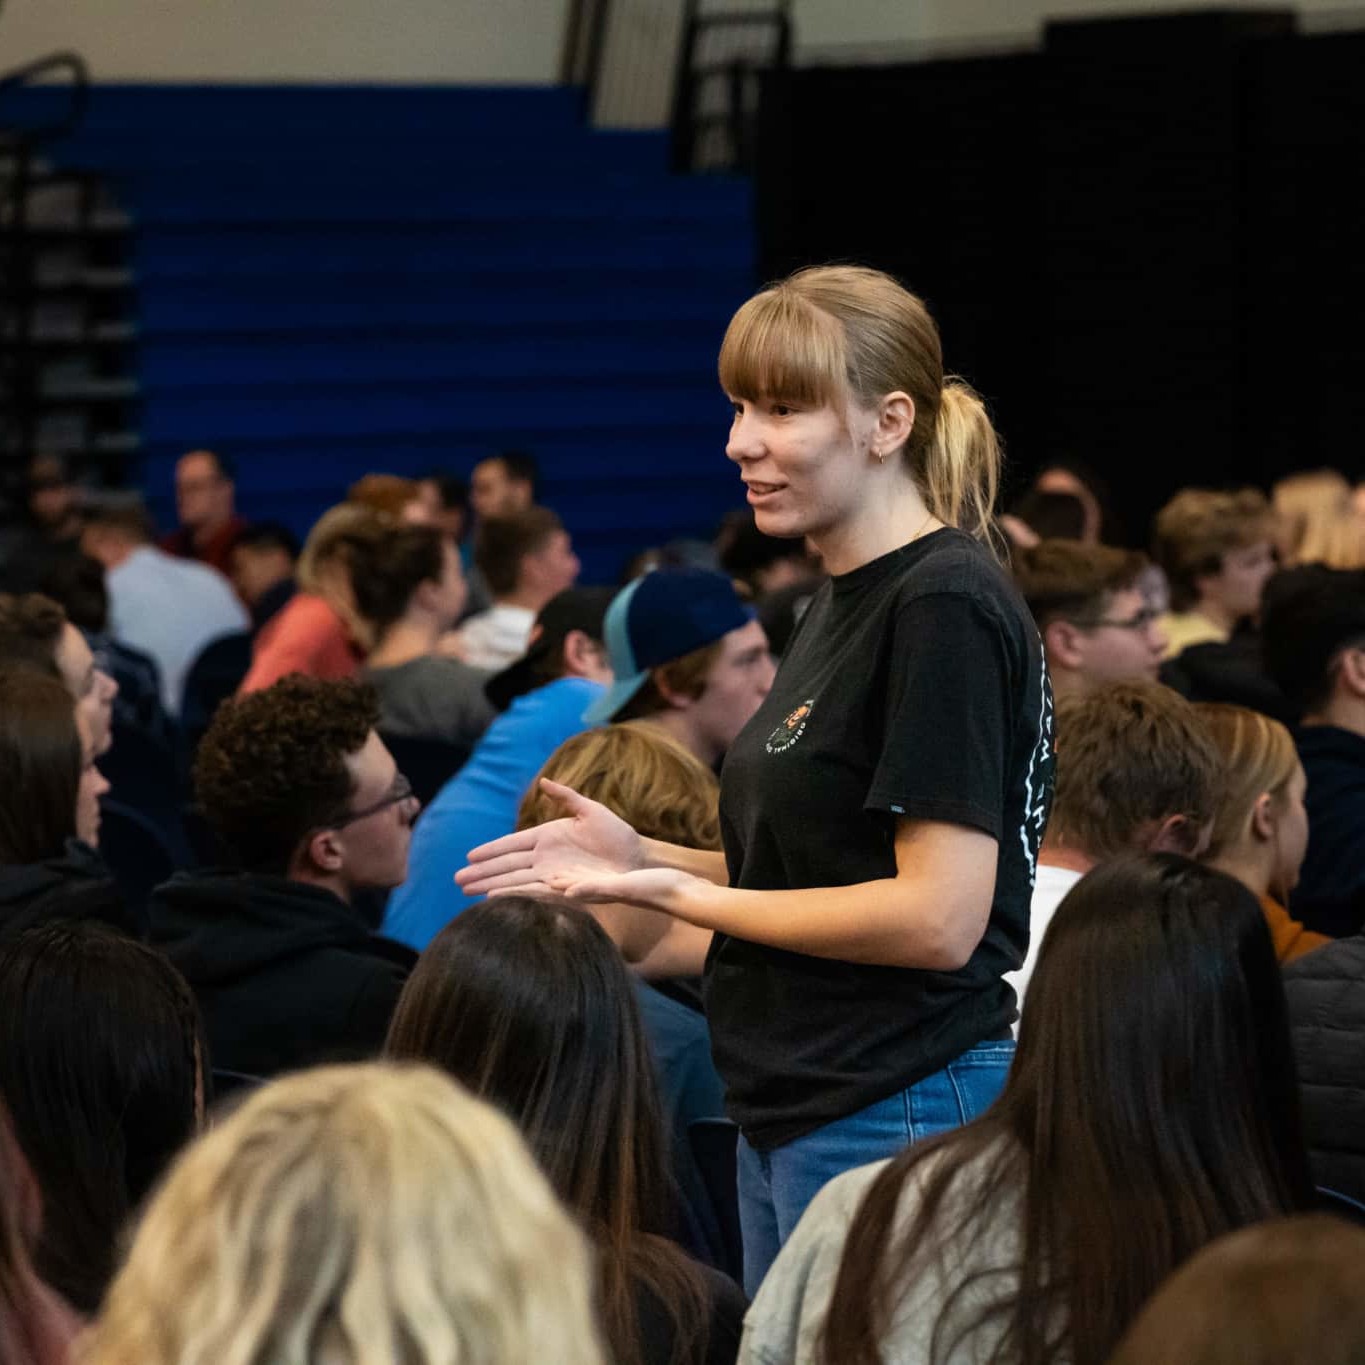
x: 333, y: 280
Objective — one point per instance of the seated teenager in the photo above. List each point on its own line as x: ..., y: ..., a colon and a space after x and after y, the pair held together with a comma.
x: 1260, y: 826
x: 662, y: 791
x: 34, y: 631
x: 527, y: 1002
x: 101, y: 1060
x: 1315, y: 649
x: 1137, y: 772
x: 50, y: 793
x: 301, y: 791
x: 1287, y: 1292
x: 1150, y: 1109
x: 353, y: 1215
x: 410, y: 589
x: 318, y: 632
x: 1096, y: 623
x: 688, y: 657
x: 541, y: 698
x: 526, y: 559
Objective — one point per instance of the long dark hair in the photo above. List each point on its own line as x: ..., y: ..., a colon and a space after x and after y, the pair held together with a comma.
x: 40, y: 766
x: 529, y: 1004
x: 100, y: 1056
x: 1152, y: 1106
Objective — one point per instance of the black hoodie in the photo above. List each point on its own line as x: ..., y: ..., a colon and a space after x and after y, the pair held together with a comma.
x: 76, y: 885
x: 287, y: 975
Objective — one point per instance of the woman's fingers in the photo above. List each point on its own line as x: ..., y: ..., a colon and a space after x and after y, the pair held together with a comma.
x: 519, y: 861
x: 566, y: 796
x: 522, y: 840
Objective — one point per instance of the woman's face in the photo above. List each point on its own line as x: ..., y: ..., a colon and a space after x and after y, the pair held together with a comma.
x: 805, y: 467
x: 1291, y: 831
x: 92, y: 786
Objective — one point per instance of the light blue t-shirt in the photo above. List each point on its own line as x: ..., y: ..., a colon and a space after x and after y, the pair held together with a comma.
x: 480, y: 803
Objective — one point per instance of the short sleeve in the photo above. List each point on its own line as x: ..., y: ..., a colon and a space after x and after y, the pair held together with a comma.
x: 947, y: 724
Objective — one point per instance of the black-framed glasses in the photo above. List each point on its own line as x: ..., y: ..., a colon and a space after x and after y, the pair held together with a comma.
x: 400, y: 791
x: 1140, y: 620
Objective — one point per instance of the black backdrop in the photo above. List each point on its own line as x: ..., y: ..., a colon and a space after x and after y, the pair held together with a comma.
x: 1145, y: 243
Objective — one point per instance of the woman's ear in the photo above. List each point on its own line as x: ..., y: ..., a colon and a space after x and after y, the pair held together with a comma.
x: 1263, y: 817
x: 895, y: 421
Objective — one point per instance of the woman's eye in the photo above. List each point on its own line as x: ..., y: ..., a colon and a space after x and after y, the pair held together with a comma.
x: 781, y: 410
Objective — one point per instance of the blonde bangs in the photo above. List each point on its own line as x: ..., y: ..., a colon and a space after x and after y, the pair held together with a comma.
x: 781, y: 347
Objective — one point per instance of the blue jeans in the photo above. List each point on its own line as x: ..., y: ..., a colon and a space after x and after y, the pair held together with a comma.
x: 776, y: 1186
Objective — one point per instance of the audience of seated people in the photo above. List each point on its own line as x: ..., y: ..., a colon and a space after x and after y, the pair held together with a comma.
x: 409, y: 590
x: 525, y: 559
x: 688, y: 657
x: 206, y: 504
x: 1315, y: 651
x: 542, y: 698
x: 1097, y: 624
x: 1136, y: 772
x: 354, y: 1215
x: 167, y: 607
x: 262, y: 569
x: 280, y: 948
x: 527, y: 1003
x: 1151, y: 1108
x: 102, y: 1069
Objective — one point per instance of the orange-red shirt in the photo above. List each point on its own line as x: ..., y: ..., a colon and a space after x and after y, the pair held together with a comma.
x: 1291, y: 938
x: 306, y: 636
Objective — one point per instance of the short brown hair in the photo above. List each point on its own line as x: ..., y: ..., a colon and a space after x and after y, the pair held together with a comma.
x: 125, y: 516
x: 503, y: 542
x: 31, y: 627
x: 1129, y: 755
x: 272, y: 767
x: 387, y: 494
x: 1198, y: 527
x: 650, y: 781
x: 40, y: 766
x: 387, y: 570
x: 686, y: 676
x: 1068, y: 580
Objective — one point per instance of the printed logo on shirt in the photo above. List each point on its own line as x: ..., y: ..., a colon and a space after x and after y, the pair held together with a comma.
x: 791, y: 729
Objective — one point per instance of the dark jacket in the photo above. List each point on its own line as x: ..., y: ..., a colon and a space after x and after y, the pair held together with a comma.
x: 1228, y: 671
x: 76, y: 885
x: 1326, y: 993
x: 1330, y: 896
x: 287, y: 975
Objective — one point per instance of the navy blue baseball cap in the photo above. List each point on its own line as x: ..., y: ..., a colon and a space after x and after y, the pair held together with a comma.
x: 659, y: 618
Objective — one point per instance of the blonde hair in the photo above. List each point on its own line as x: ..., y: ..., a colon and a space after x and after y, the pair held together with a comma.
x: 831, y: 332
x: 324, y: 566
x: 1198, y: 527
x: 1256, y: 755
x: 1305, y: 506
x: 357, y: 1215
x: 639, y: 773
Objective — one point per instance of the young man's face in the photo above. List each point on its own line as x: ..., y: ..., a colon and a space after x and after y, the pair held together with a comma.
x: 375, y: 846
x: 735, y: 686
x: 1237, y: 586
x: 1125, y: 643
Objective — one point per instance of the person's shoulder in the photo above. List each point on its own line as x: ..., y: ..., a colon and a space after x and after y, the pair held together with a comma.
x: 954, y: 565
x: 1341, y: 961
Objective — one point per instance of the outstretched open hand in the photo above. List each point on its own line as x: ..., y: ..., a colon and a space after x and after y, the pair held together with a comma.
x: 589, y: 841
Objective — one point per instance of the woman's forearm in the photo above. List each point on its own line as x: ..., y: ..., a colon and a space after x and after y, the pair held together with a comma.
x: 696, y: 862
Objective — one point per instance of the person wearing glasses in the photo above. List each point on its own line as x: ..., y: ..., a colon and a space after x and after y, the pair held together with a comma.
x: 1097, y: 625
x: 315, y: 818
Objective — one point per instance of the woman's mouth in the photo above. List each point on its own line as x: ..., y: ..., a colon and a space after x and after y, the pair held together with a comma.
x: 761, y: 492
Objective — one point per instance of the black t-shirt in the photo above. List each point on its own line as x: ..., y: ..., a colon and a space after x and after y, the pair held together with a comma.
x: 914, y: 686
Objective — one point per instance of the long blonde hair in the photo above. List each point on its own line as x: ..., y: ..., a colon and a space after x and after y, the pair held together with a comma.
x: 1257, y: 757
x: 358, y: 1215
x: 634, y: 769
x: 1306, y: 505
x: 831, y: 332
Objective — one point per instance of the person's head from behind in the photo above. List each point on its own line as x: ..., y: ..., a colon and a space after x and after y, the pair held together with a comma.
x: 504, y: 484
x: 687, y: 655
x: 1286, y: 1292
x: 760, y: 563
x: 262, y: 557
x: 1217, y: 551
x: 353, y: 1215
x: 1303, y: 505
x: 839, y: 393
x: 657, y: 787
x: 205, y: 491
x: 1260, y: 826
x: 1154, y: 1068
x: 1313, y: 636
x: 1071, y: 478
x: 101, y: 1065
x: 1136, y: 771
x: 526, y: 557
x: 528, y: 1003
x: 115, y: 529
x: 388, y: 495
x: 296, y: 783
x: 409, y: 574
x: 566, y: 642
x: 444, y: 501
x: 50, y: 788
x: 1046, y: 516
x: 324, y: 565
x: 35, y: 633
x: 1096, y: 624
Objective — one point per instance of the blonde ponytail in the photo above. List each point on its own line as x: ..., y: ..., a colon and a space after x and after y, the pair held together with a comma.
x: 959, y: 473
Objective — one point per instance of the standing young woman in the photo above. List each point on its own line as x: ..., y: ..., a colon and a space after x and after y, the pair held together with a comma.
x: 881, y: 813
